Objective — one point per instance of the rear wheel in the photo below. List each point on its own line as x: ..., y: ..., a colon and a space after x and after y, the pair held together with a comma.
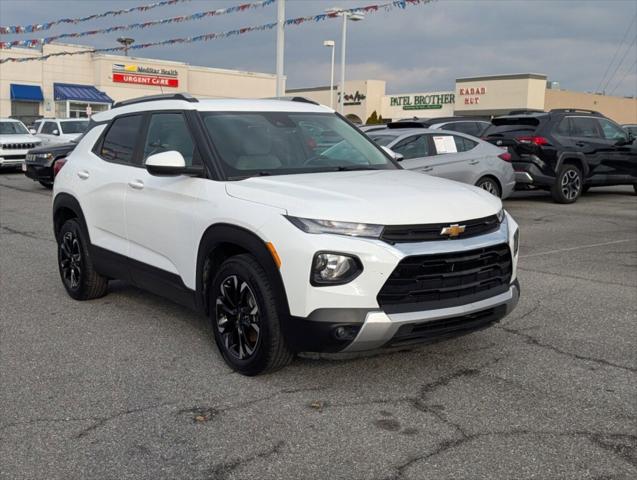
x: 245, y: 319
x: 568, y: 184
x: 79, y: 277
x: 490, y: 185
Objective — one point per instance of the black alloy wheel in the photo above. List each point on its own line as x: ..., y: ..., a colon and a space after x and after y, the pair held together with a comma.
x: 238, y: 318
x: 245, y: 315
x: 71, y: 260
x: 78, y: 275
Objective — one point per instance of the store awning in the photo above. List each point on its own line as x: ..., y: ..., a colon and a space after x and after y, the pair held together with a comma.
x: 82, y: 93
x: 26, y: 93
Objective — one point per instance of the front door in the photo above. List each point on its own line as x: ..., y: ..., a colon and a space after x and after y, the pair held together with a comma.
x: 621, y: 156
x: 160, y: 209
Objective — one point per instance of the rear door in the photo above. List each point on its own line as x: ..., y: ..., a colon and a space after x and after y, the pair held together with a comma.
x: 103, y: 176
x: 586, y: 138
x: 453, y: 157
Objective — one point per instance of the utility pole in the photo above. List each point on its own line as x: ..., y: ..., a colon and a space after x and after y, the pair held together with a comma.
x: 280, y: 48
x: 331, y: 44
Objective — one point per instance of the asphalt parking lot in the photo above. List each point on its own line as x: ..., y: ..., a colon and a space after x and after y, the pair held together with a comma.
x: 131, y: 385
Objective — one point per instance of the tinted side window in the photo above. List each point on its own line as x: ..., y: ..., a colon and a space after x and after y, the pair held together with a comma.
x: 470, y: 128
x: 169, y: 131
x: 464, y: 144
x: 49, y: 128
x: 119, y: 141
x: 584, y: 127
x: 564, y: 127
x: 612, y: 131
x: 415, y: 146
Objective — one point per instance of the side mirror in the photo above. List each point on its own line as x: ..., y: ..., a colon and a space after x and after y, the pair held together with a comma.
x: 170, y: 163
x: 396, y: 156
x: 32, y: 131
x: 623, y: 141
x: 56, y: 132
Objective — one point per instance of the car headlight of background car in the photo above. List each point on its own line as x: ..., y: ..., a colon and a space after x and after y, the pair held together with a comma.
x: 39, y: 156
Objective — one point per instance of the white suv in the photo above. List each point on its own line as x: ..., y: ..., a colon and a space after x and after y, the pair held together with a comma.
x: 237, y: 208
x: 59, y: 130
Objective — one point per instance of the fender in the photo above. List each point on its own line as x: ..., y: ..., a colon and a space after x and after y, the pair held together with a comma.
x: 573, y: 155
x: 245, y: 240
x: 67, y: 201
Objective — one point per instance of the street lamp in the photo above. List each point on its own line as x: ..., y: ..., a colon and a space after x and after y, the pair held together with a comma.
x: 354, y: 16
x: 126, y: 42
x: 331, y: 44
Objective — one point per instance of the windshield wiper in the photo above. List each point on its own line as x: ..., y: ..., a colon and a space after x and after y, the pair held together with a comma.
x: 355, y: 168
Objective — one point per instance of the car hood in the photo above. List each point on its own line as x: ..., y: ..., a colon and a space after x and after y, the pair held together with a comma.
x: 58, y: 148
x: 388, y: 197
x: 19, y: 139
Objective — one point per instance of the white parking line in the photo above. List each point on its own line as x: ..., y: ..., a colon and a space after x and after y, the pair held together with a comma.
x: 549, y: 252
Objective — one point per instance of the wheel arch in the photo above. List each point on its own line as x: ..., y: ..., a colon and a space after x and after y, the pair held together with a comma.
x: 573, y: 158
x: 65, y: 207
x: 222, y: 241
x: 492, y: 177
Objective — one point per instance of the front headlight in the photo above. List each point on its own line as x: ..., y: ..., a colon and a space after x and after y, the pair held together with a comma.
x: 330, y: 268
x: 43, y: 156
x: 309, y: 225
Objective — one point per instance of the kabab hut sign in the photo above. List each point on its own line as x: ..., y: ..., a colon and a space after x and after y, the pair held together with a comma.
x: 140, y: 75
x: 471, y: 95
x: 422, y: 102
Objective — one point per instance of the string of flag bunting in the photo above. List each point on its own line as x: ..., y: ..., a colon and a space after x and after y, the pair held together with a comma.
x: 37, y: 27
x: 179, y: 19
x: 401, y: 4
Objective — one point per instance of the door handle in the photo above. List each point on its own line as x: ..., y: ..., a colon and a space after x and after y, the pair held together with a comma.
x: 580, y: 144
x: 474, y: 162
x: 83, y: 174
x: 427, y: 169
x: 136, y: 184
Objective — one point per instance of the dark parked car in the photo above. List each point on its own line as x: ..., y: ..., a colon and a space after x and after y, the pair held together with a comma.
x: 474, y: 126
x: 566, y: 151
x: 631, y: 128
x: 40, y: 162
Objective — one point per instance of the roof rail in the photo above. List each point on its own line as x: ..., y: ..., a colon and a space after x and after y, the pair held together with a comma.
x: 151, y: 98
x: 525, y: 111
x: 295, y: 99
x: 573, y: 110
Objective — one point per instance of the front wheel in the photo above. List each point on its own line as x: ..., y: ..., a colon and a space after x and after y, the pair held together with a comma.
x: 245, y: 318
x: 568, y: 185
x: 490, y: 185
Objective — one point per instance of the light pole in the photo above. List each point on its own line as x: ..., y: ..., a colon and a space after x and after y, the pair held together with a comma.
x: 127, y: 42
x: 280, y: 46
x: 331, y: 44
x: 354, y: 17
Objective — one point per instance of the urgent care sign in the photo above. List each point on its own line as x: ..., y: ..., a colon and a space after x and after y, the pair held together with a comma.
x: 140, y: 75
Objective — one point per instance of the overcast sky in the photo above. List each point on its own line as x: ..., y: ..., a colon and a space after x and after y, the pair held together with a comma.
x: 419, y: 49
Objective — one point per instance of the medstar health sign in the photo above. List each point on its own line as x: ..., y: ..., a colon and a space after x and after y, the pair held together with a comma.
x: 433, y: 101
x: 140, y: 75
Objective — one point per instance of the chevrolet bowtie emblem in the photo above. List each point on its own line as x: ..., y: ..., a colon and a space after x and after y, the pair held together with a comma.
x: 452, y: 230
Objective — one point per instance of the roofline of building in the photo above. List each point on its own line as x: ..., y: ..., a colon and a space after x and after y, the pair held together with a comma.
x: 310, y: 89
x: 512, y: 76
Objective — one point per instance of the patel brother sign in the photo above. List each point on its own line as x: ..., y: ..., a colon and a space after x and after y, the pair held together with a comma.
x: 422, y: 102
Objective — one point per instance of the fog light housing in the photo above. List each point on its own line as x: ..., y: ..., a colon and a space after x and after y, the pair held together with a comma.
x: 330, y: 268
x: 345, y: 332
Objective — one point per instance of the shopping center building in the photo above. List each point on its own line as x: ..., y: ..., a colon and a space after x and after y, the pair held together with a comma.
x: 78, y: 85
x: 478, y: 96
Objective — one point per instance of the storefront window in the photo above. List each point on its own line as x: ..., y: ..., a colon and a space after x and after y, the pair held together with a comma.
x: 26, y: 112
x: 70, y: 109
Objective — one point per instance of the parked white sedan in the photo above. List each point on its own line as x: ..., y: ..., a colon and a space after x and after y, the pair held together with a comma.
x: 451, y: 155
x: 59, y: 130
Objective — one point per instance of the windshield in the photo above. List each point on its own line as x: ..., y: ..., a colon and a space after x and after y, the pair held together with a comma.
x: 383, y: 140
x: 279, y: 143
x: 13, y: 128
x: 74, y: 126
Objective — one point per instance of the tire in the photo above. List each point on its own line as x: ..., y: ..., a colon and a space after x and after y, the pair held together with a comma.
x: 568, y: 184
x: 48, y: 185
x: 78, y: 276
x: 251, y: 343
x: 491, y: 185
